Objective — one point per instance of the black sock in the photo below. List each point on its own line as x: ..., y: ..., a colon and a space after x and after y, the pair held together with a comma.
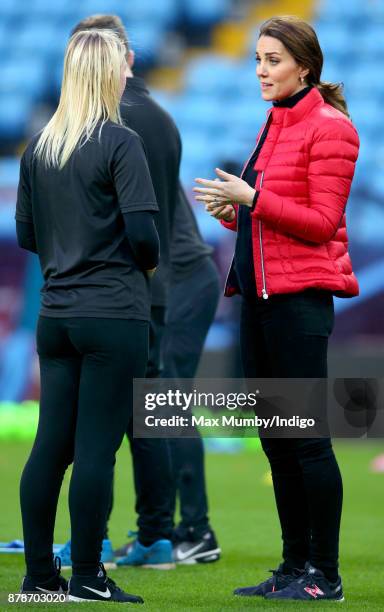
x: 41, y: 578
x: 331, y: 575
x: 289, y: 568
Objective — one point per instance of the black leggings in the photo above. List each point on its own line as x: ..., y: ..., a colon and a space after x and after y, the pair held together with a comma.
x: 86, y: 368
x: 286, y: 336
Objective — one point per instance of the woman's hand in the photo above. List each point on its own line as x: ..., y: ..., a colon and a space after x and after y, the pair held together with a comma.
x: 228, y: 188
x: 226, y: 212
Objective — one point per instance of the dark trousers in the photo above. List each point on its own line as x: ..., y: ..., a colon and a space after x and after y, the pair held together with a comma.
x: 286, y: 336
x: 191, y: 310
x: 151, y: 460
x: 86, y: 368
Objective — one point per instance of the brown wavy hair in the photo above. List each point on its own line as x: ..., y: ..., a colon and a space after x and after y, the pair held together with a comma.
x: 300, y: 40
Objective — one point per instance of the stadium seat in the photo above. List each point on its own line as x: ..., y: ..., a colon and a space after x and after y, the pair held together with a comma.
x: 163, y: 12
x: 23, y: 75
x: 35, y: 37
x: 212, y: 73
x: 205, y: 12
x: 14, y: 114
x: 146, y: 39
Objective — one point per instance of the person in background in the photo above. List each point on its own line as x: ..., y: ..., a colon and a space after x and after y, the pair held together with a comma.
x: 193, y: 299
x: 85, y: 205
x: 291, y: 257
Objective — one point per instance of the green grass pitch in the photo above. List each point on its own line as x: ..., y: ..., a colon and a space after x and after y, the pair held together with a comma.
x: 243, y: 515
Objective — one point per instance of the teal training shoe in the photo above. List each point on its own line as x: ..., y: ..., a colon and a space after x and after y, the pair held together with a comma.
x: 107, y: 556
x: 157, y: 556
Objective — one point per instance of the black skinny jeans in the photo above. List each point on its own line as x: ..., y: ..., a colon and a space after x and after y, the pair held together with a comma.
x: 86, y: 368
x: 286, y: 336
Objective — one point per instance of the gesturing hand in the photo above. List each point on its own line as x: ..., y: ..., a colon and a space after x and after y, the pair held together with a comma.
x: 226, y: 212
x: 229, y: 188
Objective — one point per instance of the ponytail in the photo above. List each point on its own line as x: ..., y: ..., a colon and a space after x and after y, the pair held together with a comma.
x: 332, y: 93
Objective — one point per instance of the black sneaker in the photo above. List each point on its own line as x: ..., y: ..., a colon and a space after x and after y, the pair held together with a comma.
x: 98, y: 588
x: 311, y: 585
x: 203, y: 550
x: 55, y: 584
x: 277, y: 581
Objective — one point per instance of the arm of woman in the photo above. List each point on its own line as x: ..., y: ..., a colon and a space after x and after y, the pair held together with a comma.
x: 25, y: 230
x: 137, y: 200
x: 333, y: 155
x: 143, y: 238
x: 25, y: 233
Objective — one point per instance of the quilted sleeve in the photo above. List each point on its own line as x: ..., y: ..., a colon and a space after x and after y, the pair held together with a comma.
x: 332, y: 158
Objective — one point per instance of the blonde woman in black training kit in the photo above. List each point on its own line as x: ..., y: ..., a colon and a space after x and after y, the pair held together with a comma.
x: 84, y: 183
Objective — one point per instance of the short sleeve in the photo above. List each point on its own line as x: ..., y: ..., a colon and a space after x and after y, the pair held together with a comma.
x: 131, y: 176
x: 23, y: 203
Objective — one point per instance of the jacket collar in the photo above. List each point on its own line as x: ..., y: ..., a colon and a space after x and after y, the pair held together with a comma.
x: 290, y: 116
x: 135, y: 84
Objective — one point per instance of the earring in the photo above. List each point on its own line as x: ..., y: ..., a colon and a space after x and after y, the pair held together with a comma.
x: 302, y: 80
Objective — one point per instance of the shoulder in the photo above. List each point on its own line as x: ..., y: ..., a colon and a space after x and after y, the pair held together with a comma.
x: 328, y: 123
x: 118, y: 133
x: 120, y: 140
x: 27, y: 155
x: 143, y: 112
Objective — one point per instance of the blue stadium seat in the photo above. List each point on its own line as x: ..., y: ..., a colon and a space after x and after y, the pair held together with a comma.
x: 23, y: 76
x: 146, y: 39
x: 163, y: 12
x: 204, y: 12
x: 351, y: 11
x: 212, y: 74
x: 335, y: 41
x: 15, y: 111
x: 9, y: 170
x: 11, y: 8
x: 35, y: 37
x: 48, y: 10
x: 370, y: 43
x: 364, y: 80
x: 201, y: 113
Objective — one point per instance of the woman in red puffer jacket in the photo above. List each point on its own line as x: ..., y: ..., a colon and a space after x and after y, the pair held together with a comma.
x: 291, y: 257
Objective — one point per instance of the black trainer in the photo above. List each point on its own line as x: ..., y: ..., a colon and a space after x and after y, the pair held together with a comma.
x: 311, y: 585
x: 278, y: 580
x: 55, y: 584
x: 202, y: 550
x: 98, y: 588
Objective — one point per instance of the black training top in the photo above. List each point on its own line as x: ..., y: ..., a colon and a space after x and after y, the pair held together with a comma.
x: 188, y: 248
x: 86, y: 259
x: 243, y: 261
x: 162, y: 145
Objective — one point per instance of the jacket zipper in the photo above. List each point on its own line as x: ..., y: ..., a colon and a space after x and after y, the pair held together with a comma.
x: 241, y: 175
x: 264, y: 289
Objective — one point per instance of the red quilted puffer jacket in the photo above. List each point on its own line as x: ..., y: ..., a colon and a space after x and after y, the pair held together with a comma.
x: 305, y: 170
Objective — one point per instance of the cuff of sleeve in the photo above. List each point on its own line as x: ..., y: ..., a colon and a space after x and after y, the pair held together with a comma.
x: 254, y: 200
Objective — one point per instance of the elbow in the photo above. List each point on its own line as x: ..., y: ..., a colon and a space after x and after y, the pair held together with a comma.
x: 147, y: 254
x: 322, y: 234
x: 28, y: 245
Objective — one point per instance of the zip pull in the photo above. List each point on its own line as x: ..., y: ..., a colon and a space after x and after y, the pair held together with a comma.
x: 264, y: 294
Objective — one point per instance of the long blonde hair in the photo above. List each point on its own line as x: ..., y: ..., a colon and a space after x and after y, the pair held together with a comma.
x: 90, y: 93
